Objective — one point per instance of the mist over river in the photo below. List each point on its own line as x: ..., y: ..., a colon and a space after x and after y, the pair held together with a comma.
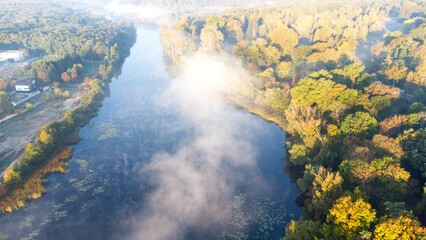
x: 162, y: 160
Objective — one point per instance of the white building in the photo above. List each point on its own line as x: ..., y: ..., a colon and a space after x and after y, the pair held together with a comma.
x: 11, y: 54
x: 24, y: 85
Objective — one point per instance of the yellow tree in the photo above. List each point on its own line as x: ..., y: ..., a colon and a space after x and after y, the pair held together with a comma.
x: 284, y: 37
x: 402, y: 228
x: 350, y: 216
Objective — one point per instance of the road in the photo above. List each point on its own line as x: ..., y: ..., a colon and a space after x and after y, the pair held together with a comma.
x: 9, y: 70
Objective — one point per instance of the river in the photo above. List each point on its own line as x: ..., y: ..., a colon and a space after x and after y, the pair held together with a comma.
x: 161, y: 161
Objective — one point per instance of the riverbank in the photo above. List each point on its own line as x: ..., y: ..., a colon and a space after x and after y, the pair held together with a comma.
x: 46, y: 154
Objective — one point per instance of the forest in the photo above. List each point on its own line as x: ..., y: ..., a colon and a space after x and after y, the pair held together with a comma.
x: 356, y: 127
x: 67, y: 38
x: 76, y: 38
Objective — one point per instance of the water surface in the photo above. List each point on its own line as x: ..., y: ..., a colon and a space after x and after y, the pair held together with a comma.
x: 159, y: 162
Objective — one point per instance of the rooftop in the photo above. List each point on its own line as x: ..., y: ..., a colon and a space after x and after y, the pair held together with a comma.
x: 24, y: 82
x: 10, y: 51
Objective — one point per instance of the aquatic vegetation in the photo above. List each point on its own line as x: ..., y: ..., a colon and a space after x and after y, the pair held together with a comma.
x: 60, y: 214
x: 254, y: 219
x: 32, y: 235
x: 108, y: 130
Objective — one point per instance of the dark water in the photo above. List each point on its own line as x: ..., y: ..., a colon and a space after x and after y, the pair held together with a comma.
x: 159, y: 163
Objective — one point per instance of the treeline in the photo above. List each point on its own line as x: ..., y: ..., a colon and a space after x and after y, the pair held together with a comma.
x: 46, y: 153
x: 68, y: 36
x: 358, y: 136
x: 192, y: 4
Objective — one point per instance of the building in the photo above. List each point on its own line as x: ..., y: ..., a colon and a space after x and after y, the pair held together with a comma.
x: 25, y: 85
x: 15, y: 55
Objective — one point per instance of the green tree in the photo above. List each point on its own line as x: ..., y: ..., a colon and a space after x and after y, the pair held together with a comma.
x: 274, y: 98
x: 312, y: 90
x: 285, y: 70
x: 271, y: 55
x: 360, y: 124
x: 6, y: 105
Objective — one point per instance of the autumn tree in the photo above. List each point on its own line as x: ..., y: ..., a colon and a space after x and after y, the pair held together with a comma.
x: 211, y: 39
x: 349, y: 216
x: 305, y: 122
x: 285, y: 70
x: 378, y: 88
x: 404, y: 228
x: 66, y: 77
x: 284, y: 37
x: 253, y: 27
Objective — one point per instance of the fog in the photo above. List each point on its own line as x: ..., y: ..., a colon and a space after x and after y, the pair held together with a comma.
x: 126, y: 9
x: 194, y: 185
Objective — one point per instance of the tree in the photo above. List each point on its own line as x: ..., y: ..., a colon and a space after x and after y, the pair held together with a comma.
x: 403, y: 228
x: 284, y: 37
x: 363, y: 81
x: 300, y: 54
x: 271, y: 55
x: 211, y: 39
x: 274, y: 98
x: 29, y: 106
x: 414, y: 145
x: 379, y: 103
x: 254, y: 55
x: 103, y: 71
x: 96, y: 85
x: 322, y: 188
x: 74, y: 76
x: 360, y: 124
x: 33, y: 153
x: 323, y: 34
x: 11, y: 177
x: 378, y: 88
x: 234, y: 30
x: 268, y: 78
x: 350, y: 216
x: 312, y: 91
x: 87, y: 81
x: 302, y: 230
x: 252, y: 27
x: 66, y: 76
x: 298, y: 154
x: 285, y: 70
x: 6, y: 105
x: 238, y: 49
x: 393, y: 125
x: 305, y: 122
x: 395, y: 73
